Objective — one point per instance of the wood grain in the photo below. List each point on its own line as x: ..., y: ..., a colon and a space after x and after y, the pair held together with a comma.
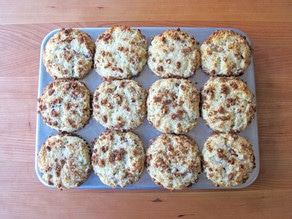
x: 23, y: 25
x: 151, y: 11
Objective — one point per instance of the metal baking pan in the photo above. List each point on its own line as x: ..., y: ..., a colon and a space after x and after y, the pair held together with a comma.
x: 145, y: 131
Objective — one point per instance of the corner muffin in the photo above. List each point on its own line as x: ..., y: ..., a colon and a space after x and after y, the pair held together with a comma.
x: 227, y: 104
x: 121, y: 53
x: 120, y: 104
x: 64, y: 161
x: 173, y: 161
x: 174, y: 53
x: 118, y: 158
x: 225, y: 53
x: 69, y: 54
x: 65, y: 105
x: 173, y: 105
x: 228, y: 159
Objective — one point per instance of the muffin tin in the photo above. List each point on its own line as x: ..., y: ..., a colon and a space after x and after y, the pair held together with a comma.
x: 200, y: 133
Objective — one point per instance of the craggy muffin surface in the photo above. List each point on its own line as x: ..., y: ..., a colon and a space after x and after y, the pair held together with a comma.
x: 225, y: 53
x: 64, y: 161
x: 118, y: 158
x: 69, y: 54
x: 227, y: 104
x: 173, y: 161
x: 65, y: 105
x: 174, y: 53
x: 173, y: 105
x: 121, y: 53
x: 120, y: 104
x: 228, y: 159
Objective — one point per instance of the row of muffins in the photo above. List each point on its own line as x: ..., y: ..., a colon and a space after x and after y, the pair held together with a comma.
x: 160, y: 68
x: 121, y: 52
x: 172, y: 105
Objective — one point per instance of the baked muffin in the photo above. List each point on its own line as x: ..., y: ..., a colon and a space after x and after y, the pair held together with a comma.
x: 118, y: 158
x: 65, y: 105
x: 227, y: 104
x: 173, y: 161
x: 173, y: 105
x: 174, y: 53
x: 228, y: 159
x: 64, y: 161
x: 120, y: 104
x: 225, y: 53
x: 121, y: 52
x: 69, y: 54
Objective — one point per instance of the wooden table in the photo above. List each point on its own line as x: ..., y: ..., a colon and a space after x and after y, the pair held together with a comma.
x: 23, y: 26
